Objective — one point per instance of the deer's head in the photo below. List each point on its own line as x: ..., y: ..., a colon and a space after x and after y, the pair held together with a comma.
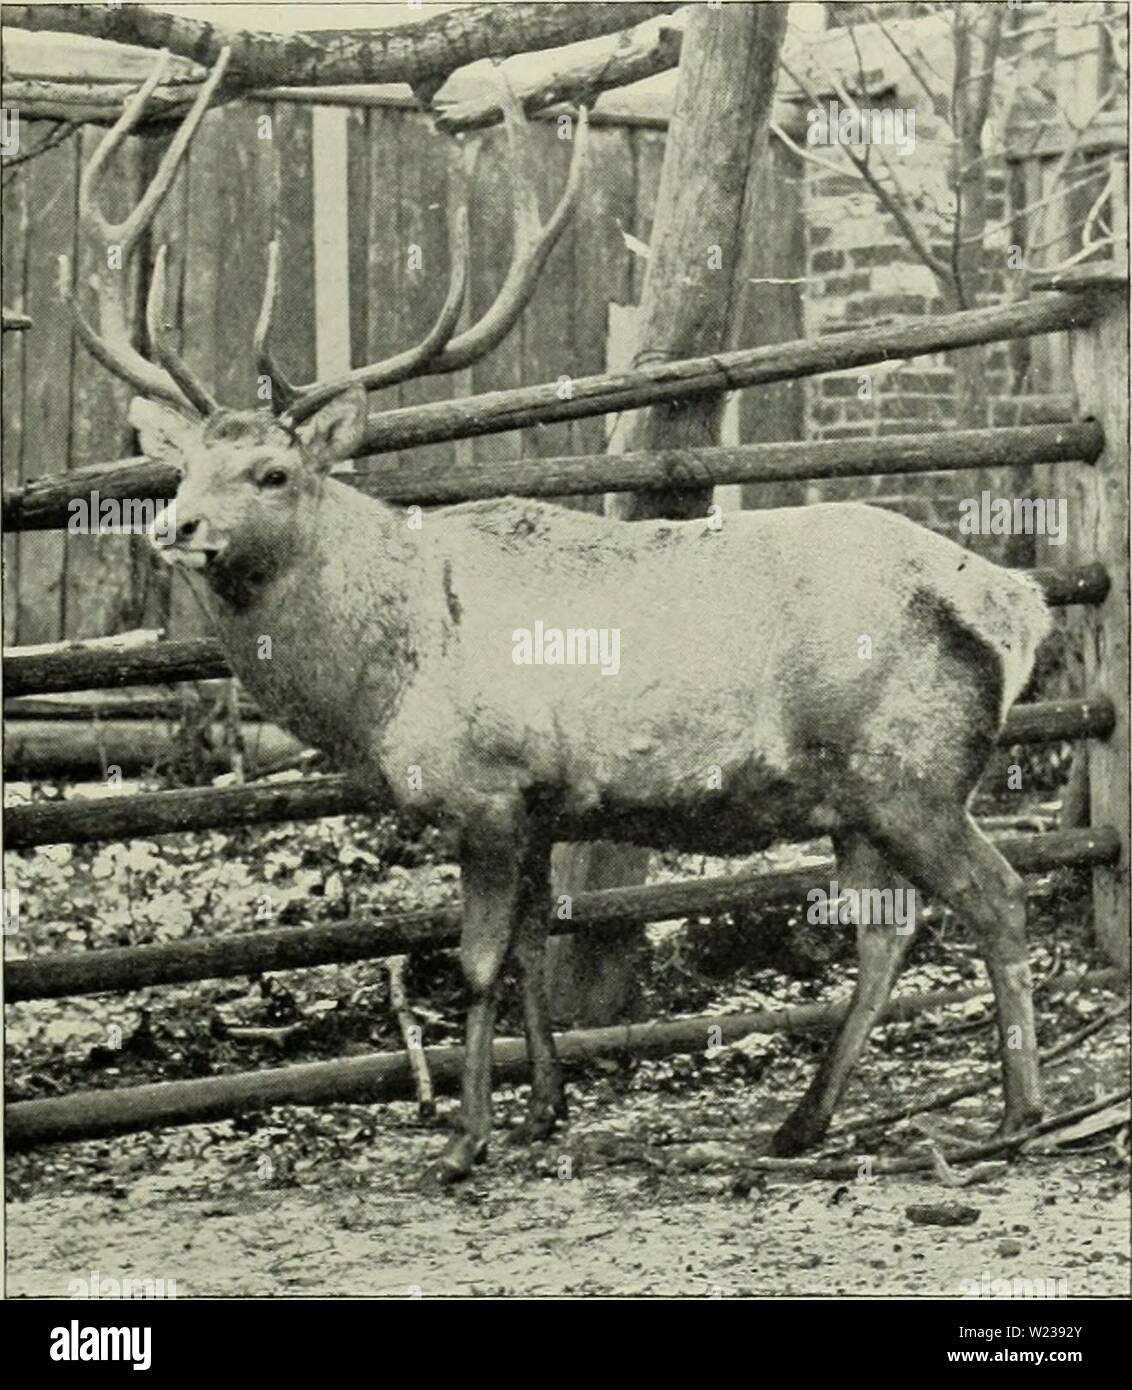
x: 250, y: 478
x: 249, y: 482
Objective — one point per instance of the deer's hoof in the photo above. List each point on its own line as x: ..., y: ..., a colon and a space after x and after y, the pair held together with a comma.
x: 538, y: 1125
x: 795, y: 1135
x: 1014, y: 1122
x: 460, y: 1156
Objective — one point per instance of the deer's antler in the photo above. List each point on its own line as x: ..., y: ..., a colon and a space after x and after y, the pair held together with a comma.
x: 186, y: 379
x: 300, y: 402
x: 439, y: 351
x: 169, y: 379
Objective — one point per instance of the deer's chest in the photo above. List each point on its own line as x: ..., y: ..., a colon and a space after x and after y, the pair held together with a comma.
x: 333, y: 688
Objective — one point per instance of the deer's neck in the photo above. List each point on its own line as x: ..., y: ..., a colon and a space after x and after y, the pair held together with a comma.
x: 326, y: 646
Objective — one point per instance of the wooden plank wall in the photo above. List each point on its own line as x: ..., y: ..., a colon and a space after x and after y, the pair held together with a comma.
x: 249, y: 176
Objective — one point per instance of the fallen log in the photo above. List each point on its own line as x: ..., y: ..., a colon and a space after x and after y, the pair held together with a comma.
x: 386, y: 1076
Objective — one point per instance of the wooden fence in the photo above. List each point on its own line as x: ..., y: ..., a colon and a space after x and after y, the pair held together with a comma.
x: 349, y: 192
x: 1094, y: 309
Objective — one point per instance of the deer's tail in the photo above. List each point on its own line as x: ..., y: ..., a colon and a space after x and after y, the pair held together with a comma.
x: 1007, y: 611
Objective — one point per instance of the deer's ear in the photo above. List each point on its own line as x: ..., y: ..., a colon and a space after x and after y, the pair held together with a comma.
x: 165, y: 434
x: 338, y: 429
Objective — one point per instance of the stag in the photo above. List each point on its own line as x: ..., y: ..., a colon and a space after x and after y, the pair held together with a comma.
x: 746, y: 706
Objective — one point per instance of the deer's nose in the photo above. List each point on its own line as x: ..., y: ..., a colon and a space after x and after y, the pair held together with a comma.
x: 186, y: 530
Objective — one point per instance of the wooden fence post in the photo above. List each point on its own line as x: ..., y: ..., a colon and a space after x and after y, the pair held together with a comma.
x: 714, y: 150
x: 1098, y: 511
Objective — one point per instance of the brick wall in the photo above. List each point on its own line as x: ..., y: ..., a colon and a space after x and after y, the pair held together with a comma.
x: 861, y: 270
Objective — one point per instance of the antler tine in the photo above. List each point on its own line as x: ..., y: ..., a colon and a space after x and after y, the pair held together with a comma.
x: 126, y: 232
x: 283, y: 393
x: 533, y: 243
x: 89, y: 210
x: 148, y: 382
x: 189, y: 383
x: 413, y: 360
x: 112, y: 346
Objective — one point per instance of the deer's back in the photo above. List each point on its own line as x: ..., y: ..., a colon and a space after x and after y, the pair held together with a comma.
x: 733, y: 647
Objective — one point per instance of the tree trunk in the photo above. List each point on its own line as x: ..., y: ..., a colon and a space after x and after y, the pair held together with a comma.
x: 977, y: 38
x: 717, y: 141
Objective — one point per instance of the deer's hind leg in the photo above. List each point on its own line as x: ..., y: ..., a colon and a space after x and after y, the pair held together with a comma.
x: 953, y: 860
x: 881, y: 947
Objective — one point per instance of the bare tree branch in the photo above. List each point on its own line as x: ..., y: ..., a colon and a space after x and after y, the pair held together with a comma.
x: 1093, y: 216
x: 421, y: 54
x: 804, y: 152
x: 892, y: 202
x: 61, y: 131
x: 1037, y: 239
x: 977, y: 39
x: 649, y: 49
x: 914, y: 68
x: 1059, y: 193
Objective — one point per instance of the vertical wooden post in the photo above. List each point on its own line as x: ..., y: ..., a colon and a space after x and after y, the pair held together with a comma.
x: 597, y: 981
x: 1098, y: 512
x: 331, y: 241
x: 714, y: 150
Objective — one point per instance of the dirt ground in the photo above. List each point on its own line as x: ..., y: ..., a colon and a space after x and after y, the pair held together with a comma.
x: 648, y: 1192
x: 326, y: 1203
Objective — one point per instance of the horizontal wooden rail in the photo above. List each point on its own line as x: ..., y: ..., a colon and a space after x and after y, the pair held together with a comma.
x: 411, y: 426
x: 386, y: 1076
x: 74, y: 749
x: 416, y: 480
x: 1078, y: 584
x: 44, y: 504
x: 71, y: 747
x: 66, y: 745
x: 1058, y: 719
x: 47, y: 738
x: 145, y: 814
x: 289, y: 948
x: 75, y: 666
x: 130, y: 817
x: 139, y: 704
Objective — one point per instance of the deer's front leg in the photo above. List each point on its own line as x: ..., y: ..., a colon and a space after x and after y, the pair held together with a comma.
x: 490, y: 859
x: 547, y: 1102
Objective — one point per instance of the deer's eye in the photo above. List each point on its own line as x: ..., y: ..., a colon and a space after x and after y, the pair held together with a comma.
x: 274, y: 477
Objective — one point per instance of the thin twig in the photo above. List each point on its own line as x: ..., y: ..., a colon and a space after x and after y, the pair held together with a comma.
x: 891, y: 202
x: 849, y: 1167
x: 863, y: 1124
x: 60, y: 131
x: 410, y: 1032
x: 1094, y: 212
x: 913, y: 68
